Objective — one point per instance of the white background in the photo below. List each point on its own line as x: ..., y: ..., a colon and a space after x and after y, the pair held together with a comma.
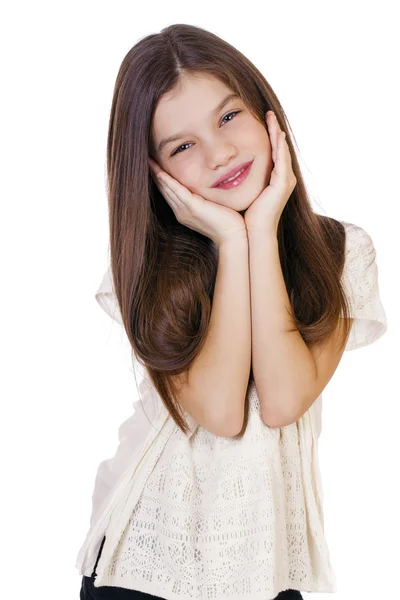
x: 67, y: 382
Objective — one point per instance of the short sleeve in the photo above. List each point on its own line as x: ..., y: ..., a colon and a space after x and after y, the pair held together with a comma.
x: 360, y: 279
x: 107, y: 299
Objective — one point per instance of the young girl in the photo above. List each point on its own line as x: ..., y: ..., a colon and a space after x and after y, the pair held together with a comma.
x: 238, y: 300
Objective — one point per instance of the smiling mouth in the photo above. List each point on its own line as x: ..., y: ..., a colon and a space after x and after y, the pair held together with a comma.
x: 233, y: 177
x: 237, y: 179
x: 235, y: 174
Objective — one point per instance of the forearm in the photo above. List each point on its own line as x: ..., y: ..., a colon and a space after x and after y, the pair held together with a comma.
x: 222, y: 368
x: 283, y: 367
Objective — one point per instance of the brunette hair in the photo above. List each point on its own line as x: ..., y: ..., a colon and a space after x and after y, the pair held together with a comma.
x: 163, y: 272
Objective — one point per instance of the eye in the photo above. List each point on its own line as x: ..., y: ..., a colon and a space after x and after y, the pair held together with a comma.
x: 177, y: 151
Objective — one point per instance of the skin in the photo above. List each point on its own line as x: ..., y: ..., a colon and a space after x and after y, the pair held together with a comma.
x: 213, y: 144
x: 218, y: 147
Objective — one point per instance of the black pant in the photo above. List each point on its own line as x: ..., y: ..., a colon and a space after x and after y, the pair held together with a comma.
x: 107, y: 592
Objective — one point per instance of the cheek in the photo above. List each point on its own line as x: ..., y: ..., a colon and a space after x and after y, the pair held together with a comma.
x: 255, y: 137
x: 189, y: 176
x: 262, y: 140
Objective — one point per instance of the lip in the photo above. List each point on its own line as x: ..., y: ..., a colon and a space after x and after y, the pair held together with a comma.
x: 232, y: 172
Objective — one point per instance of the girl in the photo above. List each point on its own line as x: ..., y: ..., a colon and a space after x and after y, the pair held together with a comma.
x: 238, y: 300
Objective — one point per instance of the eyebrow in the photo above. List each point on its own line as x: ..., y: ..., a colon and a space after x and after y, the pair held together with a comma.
x: 177, y: 136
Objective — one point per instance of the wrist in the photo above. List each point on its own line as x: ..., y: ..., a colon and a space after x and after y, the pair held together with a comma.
x: 235, y: 237
x: 269, y: 233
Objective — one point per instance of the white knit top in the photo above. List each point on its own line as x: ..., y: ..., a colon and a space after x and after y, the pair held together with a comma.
x: 209, y: 517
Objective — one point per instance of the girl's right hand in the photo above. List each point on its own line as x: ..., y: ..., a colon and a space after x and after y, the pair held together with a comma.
x: 212, y: 220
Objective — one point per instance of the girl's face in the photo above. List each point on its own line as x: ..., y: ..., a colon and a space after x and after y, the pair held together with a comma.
x: 210, y: 142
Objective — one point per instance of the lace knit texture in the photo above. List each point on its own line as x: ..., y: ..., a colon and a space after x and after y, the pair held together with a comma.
x: 209, y: 517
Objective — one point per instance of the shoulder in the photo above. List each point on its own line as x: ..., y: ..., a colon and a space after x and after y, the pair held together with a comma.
x: 360, y: 253
x: 361, y: 285
x: 352, y: 245
x: 356, y: 236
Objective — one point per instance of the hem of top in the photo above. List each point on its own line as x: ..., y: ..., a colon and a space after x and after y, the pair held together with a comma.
x: 156, y: 590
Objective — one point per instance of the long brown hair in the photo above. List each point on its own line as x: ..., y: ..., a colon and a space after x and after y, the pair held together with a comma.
x: 163, y: 272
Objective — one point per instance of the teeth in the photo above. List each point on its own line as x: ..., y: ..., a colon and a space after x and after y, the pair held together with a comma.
x: 233, y: 176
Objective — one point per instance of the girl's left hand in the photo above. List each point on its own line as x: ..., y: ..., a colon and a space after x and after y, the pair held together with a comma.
x: 266, y: 210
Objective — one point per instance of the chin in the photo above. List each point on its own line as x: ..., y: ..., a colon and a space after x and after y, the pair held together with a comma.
x: 245, y: 205
x: 239, y: 206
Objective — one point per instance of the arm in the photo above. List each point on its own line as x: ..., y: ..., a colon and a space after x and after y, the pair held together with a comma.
x: 288, y: 375
x: 283, y: 367
x: 218, y: 378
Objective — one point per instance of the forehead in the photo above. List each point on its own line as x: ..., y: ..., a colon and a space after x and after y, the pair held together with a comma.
x: 187, y: 105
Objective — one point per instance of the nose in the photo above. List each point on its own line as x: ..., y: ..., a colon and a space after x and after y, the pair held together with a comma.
x: 220, y: 155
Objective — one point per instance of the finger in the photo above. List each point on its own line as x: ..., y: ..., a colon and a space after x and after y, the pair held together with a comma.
x: 283, y: 161
x: 169, y: 196
x: 155, y: 169
x: 283, y: 158
x: 165, y: 178
x: 279, y: 135
x: 161, y: 186
x: 181, y: 194
x: 285, y: 152
x: 286, y: 163
x: 153, y: 166
x: 273, y: 128
x: 281, y: 152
